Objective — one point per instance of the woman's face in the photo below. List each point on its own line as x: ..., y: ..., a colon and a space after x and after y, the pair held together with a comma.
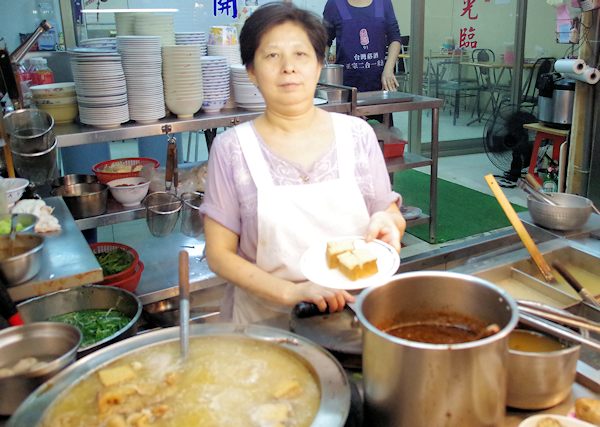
x: 286, y: 69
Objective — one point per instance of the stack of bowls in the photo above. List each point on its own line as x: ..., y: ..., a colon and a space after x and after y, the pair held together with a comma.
x: 14, y: 188
x: 141, y: 59
x: 183, y: 78
x: 197, y: 38
x: 151, y: 24
x: 223, y: 41
x: 57, y: 99
x: 33, y: 145
x: 215, y: 83
x: 246, y: 94
x: 108, y: 43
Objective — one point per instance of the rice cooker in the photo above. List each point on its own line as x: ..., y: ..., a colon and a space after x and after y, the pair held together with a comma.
x: 555, y: 100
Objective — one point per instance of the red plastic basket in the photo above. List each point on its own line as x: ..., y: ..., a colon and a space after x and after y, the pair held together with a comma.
x: 104, y: 177
x: 102, y: 247
x: 129, y: 283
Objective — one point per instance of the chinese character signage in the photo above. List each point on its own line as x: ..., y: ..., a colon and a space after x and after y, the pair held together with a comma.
x: 225, y: 7
x: 468, y: 34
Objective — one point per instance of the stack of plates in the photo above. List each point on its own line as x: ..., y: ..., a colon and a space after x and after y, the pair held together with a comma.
x: 149, y: 24
x: 232, y: 54
x: 245, y: 93
x: 104, y: 43
x: 125, y: 22
x: 215, y: 81
x: 100, y: 87
x: 141, y: 56
x: 196, y: 38
x: 182, y: 73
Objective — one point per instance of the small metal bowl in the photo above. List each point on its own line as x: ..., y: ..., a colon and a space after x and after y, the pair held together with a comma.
x: 572, y: 212
x: 26, y: 264
x: 54, y: 343
x: 539, y: 380
x: 73, y: 179
x: 88, y: 297
x: 27, y: 221
x: 84, y: 200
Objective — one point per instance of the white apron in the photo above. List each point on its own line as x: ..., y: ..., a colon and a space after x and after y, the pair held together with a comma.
x: 293, y: 217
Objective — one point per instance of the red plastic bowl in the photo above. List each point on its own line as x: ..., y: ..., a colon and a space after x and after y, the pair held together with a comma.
x: 102, y: 247
x: 104, y: 177
x: 129, y: 283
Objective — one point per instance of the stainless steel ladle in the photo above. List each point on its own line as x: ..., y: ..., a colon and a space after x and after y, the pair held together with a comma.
x: 184, y: 303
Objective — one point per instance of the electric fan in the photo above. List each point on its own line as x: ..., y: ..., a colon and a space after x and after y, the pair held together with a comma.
x: 507, y: 143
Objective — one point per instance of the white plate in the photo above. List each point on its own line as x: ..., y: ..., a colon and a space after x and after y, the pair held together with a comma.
x: 564, y: 421
x: 319, y: 101
x: 313, y: 265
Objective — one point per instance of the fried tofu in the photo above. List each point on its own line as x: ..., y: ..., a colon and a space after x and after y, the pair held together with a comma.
x: 358, y: 264
x: 335, y: 249
x: 112, y: 376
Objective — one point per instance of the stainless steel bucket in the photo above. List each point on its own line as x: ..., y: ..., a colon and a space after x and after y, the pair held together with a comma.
x: 192, y: 221
x: 409, y: 383
x: 332, y: 74
x: 38, y: 167
x: 162, y: 212
x: 30, y: 130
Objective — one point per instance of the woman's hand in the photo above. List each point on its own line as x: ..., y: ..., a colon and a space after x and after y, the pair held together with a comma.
x: 331, y: 300
x: 388, y: 226
x: 388, y: 80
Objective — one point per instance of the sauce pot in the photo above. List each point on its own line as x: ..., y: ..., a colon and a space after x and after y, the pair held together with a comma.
x: 409, y: 383
x: 332, y: 74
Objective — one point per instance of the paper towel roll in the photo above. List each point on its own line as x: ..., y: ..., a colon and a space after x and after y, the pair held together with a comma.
x: 590, y: 75
x: 576, y: 66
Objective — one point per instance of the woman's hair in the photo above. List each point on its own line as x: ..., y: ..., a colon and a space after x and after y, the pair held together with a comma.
x: 273, y: 14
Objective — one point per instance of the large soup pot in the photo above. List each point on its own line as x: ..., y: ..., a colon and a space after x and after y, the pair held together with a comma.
x: 409, y: 383
x: 333, y: 383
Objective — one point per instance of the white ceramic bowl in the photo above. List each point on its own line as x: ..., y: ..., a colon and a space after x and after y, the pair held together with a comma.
x: 15, y: 187
x: 129, y: 191
x: 183, y: 108
x: 54, y: 90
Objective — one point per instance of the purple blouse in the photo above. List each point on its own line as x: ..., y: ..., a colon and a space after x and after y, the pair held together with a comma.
x: 230, y: 193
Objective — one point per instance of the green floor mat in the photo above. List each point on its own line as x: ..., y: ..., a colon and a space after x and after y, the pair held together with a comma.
x: 462, y: 212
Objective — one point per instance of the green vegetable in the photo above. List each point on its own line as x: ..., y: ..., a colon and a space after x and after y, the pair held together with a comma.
x: 5, y: 226
x: 114, y: 262
x: 95, y: 325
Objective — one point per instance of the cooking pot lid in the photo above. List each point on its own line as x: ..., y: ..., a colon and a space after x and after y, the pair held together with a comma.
x: 564, y: 84
x: 338, y: 332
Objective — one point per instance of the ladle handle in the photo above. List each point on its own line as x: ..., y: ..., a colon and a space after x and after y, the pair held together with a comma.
x: 571, y: 280
x: 533, y: 182
x: 184, y: 302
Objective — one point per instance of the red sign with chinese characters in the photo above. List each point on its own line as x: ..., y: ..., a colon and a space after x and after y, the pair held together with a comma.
x: 467, y: 37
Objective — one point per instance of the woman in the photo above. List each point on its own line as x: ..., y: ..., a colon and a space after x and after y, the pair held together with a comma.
x: 362, y: 30
x: 290, y: 178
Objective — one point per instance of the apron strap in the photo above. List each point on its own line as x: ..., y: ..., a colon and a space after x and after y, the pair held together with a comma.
x: 344, y: 145
x: 379, y: 8
x: 259, y: 169
x: 342, y: 8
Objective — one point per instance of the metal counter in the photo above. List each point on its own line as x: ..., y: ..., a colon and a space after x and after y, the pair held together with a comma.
x: 67, y: 259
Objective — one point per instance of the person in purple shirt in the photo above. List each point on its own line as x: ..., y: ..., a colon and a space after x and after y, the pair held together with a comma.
x: 291, y: 178
x: 364, y: 30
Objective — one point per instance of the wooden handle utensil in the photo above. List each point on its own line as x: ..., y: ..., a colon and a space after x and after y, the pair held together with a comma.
x: 530, y: 245
x: 184, y: 303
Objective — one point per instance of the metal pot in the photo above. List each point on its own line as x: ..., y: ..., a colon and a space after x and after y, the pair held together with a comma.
x: 572, y: 212
x: 20, y: 268
x: 332, y: 74
x: 55, y: 342
x: 408, y: 383
x: 88, y: 297
x: 84, y: 200
x: 334, y: 385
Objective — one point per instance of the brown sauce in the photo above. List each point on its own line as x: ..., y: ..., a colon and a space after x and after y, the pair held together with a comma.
x: 534, y: 342
x: 438, y: 328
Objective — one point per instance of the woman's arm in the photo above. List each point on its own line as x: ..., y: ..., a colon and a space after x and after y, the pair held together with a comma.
x: 388, y: 77
x: 223, y: 260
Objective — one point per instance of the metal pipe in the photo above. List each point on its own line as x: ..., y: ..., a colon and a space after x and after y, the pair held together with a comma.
x: 519, y: 43
x: 20, y: 52
x: 416, y: 49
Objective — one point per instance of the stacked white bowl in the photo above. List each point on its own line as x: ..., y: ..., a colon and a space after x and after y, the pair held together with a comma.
x: 100, y: 87
x: 150, y: 24
x: 246, y: 94
x: 142, y: 64
x: 125, y: 22
x: 182, y: 74
x: 215, y: 80
x: 223, y: 41
x: 104, y: 43
x: 196, y: 38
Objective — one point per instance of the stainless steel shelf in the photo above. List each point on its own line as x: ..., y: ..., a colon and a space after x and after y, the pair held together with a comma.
x: 408, y: 161
x: 115, y: 213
